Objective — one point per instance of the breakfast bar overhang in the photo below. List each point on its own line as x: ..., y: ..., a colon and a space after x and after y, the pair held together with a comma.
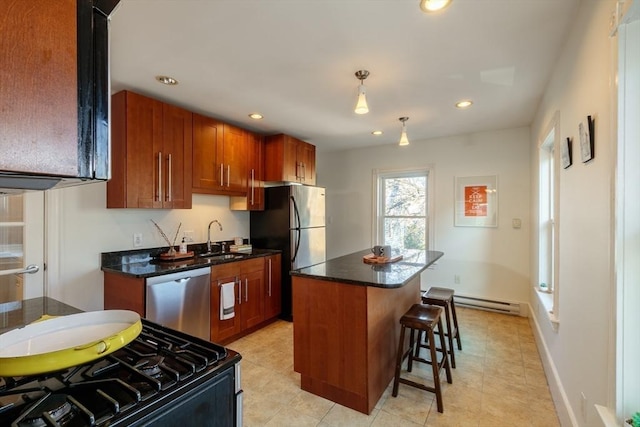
x: 346, y: 324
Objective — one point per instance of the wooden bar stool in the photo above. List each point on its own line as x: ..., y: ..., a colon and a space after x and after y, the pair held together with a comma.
x: 443, y: 297
x: 423, y: 318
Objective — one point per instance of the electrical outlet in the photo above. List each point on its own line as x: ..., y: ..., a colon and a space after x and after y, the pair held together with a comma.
x: 456, y: 279
x: 188, y: 236
x: 583, y: 405
x: 137, y: 240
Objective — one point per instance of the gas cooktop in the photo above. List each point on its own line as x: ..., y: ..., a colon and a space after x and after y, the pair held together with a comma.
x: 154, y: 374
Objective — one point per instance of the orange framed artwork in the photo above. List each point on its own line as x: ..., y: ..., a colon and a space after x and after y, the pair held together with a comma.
x: 476, y: 201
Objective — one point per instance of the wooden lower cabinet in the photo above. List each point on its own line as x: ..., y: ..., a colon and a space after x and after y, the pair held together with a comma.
x: 248, y: 279
x: 124, y: 293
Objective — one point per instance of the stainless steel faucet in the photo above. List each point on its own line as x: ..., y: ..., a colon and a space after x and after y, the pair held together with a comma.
x: 209, y: 233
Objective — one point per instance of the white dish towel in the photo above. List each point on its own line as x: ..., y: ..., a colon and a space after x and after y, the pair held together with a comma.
x: 227, y: 300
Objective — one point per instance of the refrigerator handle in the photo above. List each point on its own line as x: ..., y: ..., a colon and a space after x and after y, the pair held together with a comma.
x: 297, y: 213
x: 297, y: 228
x: 295, y: 251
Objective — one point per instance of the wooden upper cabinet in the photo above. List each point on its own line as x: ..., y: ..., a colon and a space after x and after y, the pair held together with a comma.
x: 151, y: 154
x: 289, y: 159
x: 219, y: 157
x: 39, y: 95
x: 207, y: 135
x: 253, y: 199
x: 233, y: 157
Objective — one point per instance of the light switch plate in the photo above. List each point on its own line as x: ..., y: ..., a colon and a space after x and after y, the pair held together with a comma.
x: 516, y: 223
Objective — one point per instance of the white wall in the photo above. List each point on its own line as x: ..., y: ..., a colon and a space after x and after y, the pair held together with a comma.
x: 491, y: 262
x: 83, y: 228
x: 581, y: 85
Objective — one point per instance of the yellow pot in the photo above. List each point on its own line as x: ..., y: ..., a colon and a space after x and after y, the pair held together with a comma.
x: 61, y: 342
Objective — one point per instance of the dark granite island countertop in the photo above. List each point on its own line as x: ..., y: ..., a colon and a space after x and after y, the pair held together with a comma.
x: 353, y: 270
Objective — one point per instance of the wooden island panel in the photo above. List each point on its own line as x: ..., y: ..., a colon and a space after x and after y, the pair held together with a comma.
x: 346, y: 336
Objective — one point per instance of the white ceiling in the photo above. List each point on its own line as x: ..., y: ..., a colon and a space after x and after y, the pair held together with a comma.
x: 294, y: 62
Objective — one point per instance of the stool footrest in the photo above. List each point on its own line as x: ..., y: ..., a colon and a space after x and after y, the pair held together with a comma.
x: 418, y: 385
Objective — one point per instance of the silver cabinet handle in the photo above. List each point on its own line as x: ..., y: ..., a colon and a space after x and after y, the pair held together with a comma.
x: 246, y: 290
x: 29, y: 269
x: 239, y: 291
x: 228, y: 174
x: 169, y: 191
x: 269, y: 260
x: 221, y: 175
x: 253, y: 184
x: 159, y: 192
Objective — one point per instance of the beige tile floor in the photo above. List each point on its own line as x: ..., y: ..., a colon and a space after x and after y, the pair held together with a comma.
x: 498, y: 381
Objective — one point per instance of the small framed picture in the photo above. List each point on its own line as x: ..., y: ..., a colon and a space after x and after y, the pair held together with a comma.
x: 585, y: 130
x: 476, y: 201
x: 565, y: 153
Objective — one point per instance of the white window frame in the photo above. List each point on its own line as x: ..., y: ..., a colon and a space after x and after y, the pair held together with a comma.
x: 378, y: 201
x: 549, y: 220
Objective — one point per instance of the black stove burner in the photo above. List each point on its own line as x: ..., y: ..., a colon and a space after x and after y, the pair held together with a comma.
x: 55, y: 408
x: 151, y: 366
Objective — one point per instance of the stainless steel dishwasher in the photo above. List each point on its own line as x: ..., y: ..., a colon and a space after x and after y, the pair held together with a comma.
x: 181, y: 301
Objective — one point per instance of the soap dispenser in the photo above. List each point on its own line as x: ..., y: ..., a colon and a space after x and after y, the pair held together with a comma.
x: 183, y: 246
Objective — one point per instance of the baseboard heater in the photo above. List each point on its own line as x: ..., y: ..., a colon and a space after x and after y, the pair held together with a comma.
x: 487, y: 304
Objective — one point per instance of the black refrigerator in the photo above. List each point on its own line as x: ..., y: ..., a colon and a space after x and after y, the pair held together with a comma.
x: 293, y: 221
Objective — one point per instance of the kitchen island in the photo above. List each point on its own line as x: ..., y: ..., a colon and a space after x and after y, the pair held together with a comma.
x: 346, y: 324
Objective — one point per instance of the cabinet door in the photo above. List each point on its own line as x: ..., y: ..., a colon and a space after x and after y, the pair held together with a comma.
x: 290, y: 163
x: 176, y: 157
x: 136, y: 165
x: 306, y: 158
x: 224, y: 329
x: 207, y: 171
x: 233, y: 153
x: 252, y: 293
x: 273, y: 287
x: 253, y: 199
x: 39, y: 95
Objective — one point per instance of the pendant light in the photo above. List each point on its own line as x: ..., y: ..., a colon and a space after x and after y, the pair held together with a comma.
x: 403, y: 136
x: 361, y: 106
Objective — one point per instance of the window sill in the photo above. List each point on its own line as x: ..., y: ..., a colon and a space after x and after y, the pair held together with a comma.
x: 545, y: 300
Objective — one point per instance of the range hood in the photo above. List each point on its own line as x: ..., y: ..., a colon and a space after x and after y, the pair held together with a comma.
x: 55, y: 115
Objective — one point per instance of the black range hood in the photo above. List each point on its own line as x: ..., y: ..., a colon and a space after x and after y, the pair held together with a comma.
x: 87, y: 159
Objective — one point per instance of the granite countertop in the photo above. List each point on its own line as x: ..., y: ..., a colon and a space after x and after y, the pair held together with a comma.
x: 142, y: 263
x: 353, y: 270
x: 20, y: 313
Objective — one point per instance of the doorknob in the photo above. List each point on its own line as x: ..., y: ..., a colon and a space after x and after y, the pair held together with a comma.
x: 29, y: 269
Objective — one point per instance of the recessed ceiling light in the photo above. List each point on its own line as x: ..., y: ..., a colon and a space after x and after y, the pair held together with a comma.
x: 376, y: 132
x: 433, y: 5
x: 170, y: 81
x: 256, y: 116
x: 464, y: 104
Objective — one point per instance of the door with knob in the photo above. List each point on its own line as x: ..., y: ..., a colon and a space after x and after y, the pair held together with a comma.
x: 21, y: 246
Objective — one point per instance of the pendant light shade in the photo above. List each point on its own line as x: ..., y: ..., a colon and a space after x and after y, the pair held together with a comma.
x: 403, y: 136
x: 361, y: 106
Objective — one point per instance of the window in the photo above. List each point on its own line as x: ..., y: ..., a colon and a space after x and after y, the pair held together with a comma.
x: 547, y: 285
x: 547, y: 222
x: 403, y: 209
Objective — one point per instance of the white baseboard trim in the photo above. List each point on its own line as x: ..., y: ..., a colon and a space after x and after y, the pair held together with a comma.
x: 566, y: 414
